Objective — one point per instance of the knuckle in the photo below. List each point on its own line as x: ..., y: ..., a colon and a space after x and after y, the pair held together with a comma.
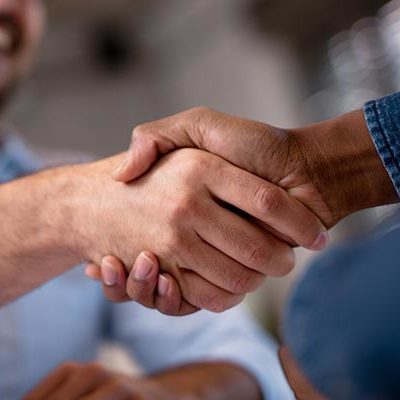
x: 268, y: 199
x: 184, y: 207
x: 195, y: 164
x: 220, y: 302
x: 197, y: 111
x: 140, y: 130
x: 258, y: 255
x: 247, y: 282
x: 225, y: 304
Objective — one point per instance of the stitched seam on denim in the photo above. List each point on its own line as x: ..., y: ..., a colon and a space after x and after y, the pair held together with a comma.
x: 389, y: 148
x: 381, y: 144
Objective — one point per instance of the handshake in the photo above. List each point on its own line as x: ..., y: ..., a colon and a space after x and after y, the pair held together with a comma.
x: 204, y: 206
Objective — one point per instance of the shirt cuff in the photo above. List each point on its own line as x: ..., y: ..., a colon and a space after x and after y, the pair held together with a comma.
x: 383, y: 121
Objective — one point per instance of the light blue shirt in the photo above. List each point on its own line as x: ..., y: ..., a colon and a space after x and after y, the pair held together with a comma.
x: 68, y: 319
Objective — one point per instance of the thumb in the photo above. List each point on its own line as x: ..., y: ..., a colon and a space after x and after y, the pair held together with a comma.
x: 153, y: 139
x: 141, y: 155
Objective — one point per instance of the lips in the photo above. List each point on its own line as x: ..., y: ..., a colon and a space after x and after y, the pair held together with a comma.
x: 10, y: 35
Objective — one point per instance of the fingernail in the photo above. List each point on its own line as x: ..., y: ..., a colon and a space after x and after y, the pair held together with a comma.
x: 321, y: 241
x: 143, y: 267
x: 109, y: 273
x: 162, y: 286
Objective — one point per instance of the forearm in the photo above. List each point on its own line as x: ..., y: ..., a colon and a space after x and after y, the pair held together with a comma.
x: 36, y: 230
x: 208, y: 381
x: 343, y: 162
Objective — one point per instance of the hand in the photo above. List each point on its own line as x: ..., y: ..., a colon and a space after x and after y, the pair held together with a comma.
x: 159, y: 291
x: 331, y: 167
x: 201, y: 381
x: 178, y: 211
x: 266, y: 151
x: 72, y: 381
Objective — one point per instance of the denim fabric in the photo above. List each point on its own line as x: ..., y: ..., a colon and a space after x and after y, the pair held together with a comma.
x: 342, y: 322
x: 383, y: 120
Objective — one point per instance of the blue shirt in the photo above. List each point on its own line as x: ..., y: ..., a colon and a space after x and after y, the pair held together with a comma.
x: 342, y: 322
x: 69, y: 318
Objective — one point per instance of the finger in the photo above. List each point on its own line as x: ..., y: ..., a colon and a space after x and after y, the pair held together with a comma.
x: 114, y: 278
x: 93, y: 271
x: 149, y: 141
x: 79, y: 383
x: 270, y: 204
x: 244, y: 244
x: 203, y: 294
x: 50, y: 384
x: 169, y: 299
x: 142, y: 281
x: 223, y: 271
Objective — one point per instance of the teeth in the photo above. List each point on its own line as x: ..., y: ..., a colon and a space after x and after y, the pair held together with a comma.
x: 5, y: 39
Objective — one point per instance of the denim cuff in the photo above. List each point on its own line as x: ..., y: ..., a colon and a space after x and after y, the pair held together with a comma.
x: 383, y: 120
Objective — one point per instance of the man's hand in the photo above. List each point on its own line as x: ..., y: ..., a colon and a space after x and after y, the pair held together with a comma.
x: 73, y: 381
x: 331, y: 167
x: 181, y: 211
x: 156, y: 290
x: 197, y: 381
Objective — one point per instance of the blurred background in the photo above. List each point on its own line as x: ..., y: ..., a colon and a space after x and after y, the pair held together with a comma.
x: 106, y: 66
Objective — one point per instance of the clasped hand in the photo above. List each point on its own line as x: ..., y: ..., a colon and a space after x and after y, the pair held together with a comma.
x: 211, y: 227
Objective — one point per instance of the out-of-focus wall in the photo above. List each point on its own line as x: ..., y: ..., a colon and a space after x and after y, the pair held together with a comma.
x: 185, y: 53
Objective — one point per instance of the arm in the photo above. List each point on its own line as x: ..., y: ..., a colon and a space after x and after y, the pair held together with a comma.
x: 332, y: 167
x: 38, y: 240
x: 177, y: 211
x: 197, y: 381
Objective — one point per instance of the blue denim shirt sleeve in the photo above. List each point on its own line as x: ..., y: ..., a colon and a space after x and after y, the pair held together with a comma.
x: 383, y: 120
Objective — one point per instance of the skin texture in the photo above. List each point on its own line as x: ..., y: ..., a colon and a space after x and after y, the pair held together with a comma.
x: 331, y: 168
x: 73, y: 381
x: 239, y: 242
x: 179, y: 206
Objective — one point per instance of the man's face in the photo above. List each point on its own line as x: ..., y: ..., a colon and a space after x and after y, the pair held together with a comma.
x: 21, y: 27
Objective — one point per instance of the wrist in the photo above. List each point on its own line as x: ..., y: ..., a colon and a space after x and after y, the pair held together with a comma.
x: 58, y: 212
x: 37, y: 233
x: 344, y: 165
x: 92, y: 199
